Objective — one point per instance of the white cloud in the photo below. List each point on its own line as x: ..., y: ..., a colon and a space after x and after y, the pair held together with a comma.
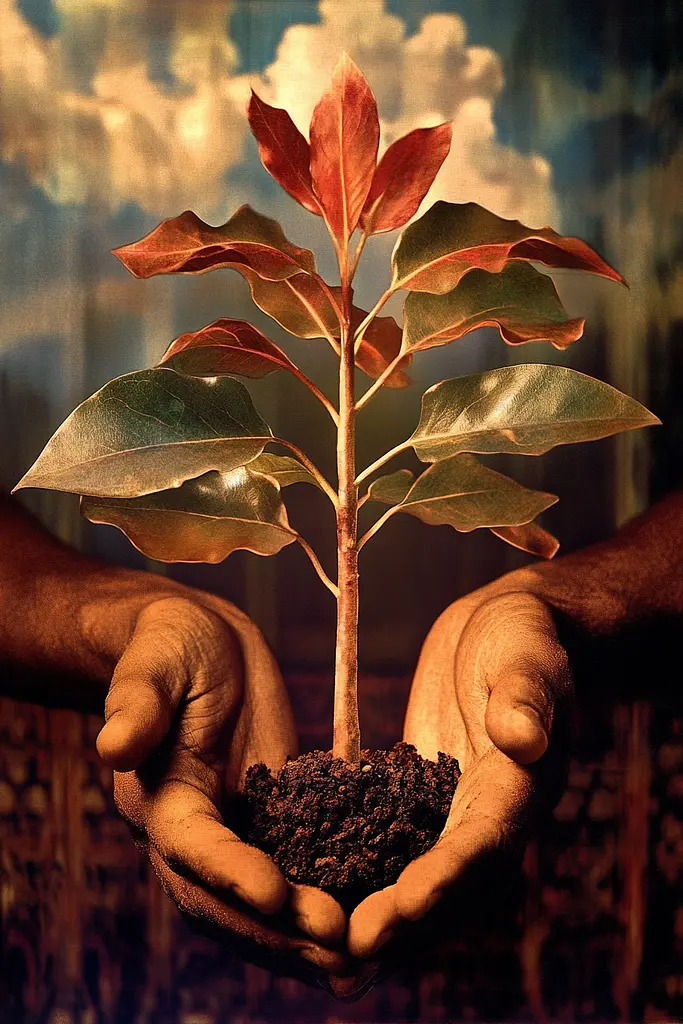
x: 122, y: 136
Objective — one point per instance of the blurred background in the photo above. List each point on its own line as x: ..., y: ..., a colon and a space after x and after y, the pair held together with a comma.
x: 117, y: 113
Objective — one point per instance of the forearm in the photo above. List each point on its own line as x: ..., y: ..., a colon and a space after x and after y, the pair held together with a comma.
x: 60, y: 611
x: 634, y: 577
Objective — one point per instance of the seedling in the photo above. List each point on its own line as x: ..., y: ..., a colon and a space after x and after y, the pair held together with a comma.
x: 178, y: 457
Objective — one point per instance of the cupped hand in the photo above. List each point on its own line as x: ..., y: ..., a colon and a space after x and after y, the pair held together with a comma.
x: 493, y: 688
x: 196, y: 698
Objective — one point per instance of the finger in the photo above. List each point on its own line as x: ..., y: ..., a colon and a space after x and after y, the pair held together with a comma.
x: 318, y: 914
x: 172, y: 646
x: 186, y: 829
x: 489, y: 811
x: 510, y: 652
x: 198, y: 903
x: 373, y: 923
x: 486, y: 815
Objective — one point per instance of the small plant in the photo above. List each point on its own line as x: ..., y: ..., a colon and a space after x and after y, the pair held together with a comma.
x: 175, y: 456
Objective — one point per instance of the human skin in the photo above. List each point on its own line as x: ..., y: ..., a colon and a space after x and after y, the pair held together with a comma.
x: 493, y: 687
x: 171, y: 656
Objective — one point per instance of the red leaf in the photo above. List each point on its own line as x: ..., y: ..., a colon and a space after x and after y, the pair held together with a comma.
x: 226, y: 346
x: 379, y: 347
x: 284, y: 151
x: 530, y: 537
x: 300, y: 303
x: 404, y: 176
x: 186, y: 245
x: 344, y: 141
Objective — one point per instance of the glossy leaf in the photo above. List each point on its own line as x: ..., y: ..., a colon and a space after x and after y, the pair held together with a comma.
x: 150, y: 430
x: 380, y: 345
x: 300, y: 304
x: 186, y: 245
x: 525, y: 410
x: 226, y: 346
x: 284, y: 151
x: 203, y: 520
x: 344, y: 141
x: 462, y: 493
x: 450, y: 239
x: 521, y: 302
x: 530, y: 537
x: 403, y: 177
x: 284, y: 469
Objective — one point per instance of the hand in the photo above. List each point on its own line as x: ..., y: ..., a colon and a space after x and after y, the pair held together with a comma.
x: 195, y: 699
x: 492, y: 688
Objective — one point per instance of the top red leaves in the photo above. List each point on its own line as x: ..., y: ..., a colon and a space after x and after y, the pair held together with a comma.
x: 284, y: 151
x: 344, y: 141
x: 451, y: 239
x: 186, y: 245
x: 404, y: 176
x: 226, y: 346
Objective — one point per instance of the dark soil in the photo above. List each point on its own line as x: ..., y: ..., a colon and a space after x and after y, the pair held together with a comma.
x: 346, y: 830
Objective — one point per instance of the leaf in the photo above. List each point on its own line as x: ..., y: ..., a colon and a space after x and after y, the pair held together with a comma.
x: 393, y: 488
x: 226, y: 346
x: 203, y: 520
x: 344, y: 141
x: 380, y: 345
x: 186, y: 245
x: 525, y: 410
x: 462, y: 493
x: 284, y: 151
x: 282, y: 468
x: 521, y: 302
x: 450, y: 239
x: 529, y: 537
x: 150, y: 430
x: 300, y: 304
x: 403, y: 177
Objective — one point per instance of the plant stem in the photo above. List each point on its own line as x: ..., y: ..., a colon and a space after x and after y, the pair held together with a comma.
x: 377, y: 526
x: 346, y: 739
x: 360, y: 332
x: 380, y: 462
x: 310, y: 466
x: 374, y: 388
x: 300, y: 375
x: 315, y: 561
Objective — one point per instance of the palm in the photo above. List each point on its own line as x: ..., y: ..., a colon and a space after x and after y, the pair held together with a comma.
x: 195, y: 699
x: 491, y: 687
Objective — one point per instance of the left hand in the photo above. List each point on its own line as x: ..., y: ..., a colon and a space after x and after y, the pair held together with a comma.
x: 492, y: 688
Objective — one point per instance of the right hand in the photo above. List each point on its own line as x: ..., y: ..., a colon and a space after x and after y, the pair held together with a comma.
x: 195, y: 698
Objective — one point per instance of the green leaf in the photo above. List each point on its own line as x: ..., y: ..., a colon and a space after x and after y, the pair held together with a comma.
x: 462, y: 493
x: 521, y: 302
x: 392, y: 488
x: 525, y: 410
x: 203, y: 520
x: 186, y: 245
x: 282, y: 468
x: 150, y: 430
x: 450, y: 239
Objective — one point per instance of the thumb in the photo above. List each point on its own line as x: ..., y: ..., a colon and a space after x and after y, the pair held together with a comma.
x: 529, y: 676
x: 145, y: 691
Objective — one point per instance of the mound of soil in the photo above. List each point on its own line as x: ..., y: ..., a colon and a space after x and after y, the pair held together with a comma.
x: 348, y: 830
